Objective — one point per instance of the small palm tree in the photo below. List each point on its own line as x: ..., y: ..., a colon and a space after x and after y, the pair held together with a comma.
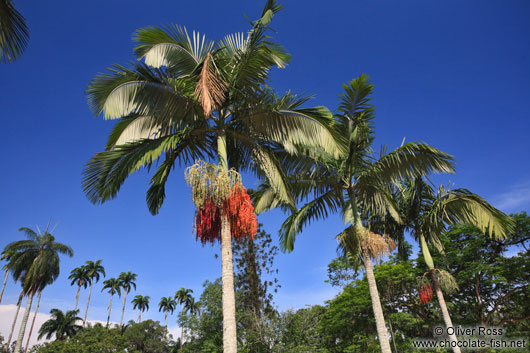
x: 63, y: 325
x: 127, y: 281
x: 183, y: 297
x: 80, y: 278
x: 114, y: 286
x: 142, y: 303
x: 167, y: 304
x: 14, y: 33
x: 37, y: 261
x: 93, y: 272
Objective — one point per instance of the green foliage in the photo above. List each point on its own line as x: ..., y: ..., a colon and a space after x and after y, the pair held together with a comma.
x: 14, y: 33
x: 62, y: 325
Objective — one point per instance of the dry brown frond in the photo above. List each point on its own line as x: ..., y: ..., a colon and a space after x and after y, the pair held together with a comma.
x: 210, y: 89
x: 379, y: 245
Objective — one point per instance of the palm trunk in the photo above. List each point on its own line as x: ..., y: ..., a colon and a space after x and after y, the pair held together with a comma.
x: 20, y: 297
x: 392, y: 335
x: 166, y: 318
x: 33, y: 322
x: 77, y: 297
x: 123, y: 309
x: 181, y: 330
x: 110, y: 308
x: 4, y: 285
x: 18, y: 346
x: 229, y: 298
x: 439, y: 294
x: 87, y: 303
x: 139, y: 317
x: 382, y: 333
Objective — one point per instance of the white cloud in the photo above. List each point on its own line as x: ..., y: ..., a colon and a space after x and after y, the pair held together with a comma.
x: 514, y: 200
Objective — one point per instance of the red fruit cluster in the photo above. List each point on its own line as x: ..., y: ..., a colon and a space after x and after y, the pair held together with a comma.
x: 426, y: 293
x: 239, y: 210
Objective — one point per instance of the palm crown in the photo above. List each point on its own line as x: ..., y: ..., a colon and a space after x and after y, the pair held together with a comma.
x: 113, y: 286
x: 127, y: 281
x: 79, y: 276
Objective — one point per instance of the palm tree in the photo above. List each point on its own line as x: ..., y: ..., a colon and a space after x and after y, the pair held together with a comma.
x: 142, y: 303
x: 63, y: 325
x: 37, y: 261
x: 127, y: 281
x: 80, y: 278
x: 192, y: 98
x: 167, y: 304
x: 114, y: 286
x: 93, y: 272
x: 427, y: 213
x: 6, y: 256
x: 183, y: 297
x: 356, y: 183
x: 189, y: 306
x: 14, y: 33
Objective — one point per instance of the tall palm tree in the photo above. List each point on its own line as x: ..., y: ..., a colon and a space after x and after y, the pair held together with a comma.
x: 14, y: 33
x: 127, y: 281
x: 63, y: 325
x: 167, y: 304
x: 427, y: 213
x: 142, y: 303
x: 193, y: 98
x: 114, y: 286
x: 188, y: 306
x: 80, y: 278
x: 37, y: 261
x: 6, y: 256
x: 183, y: 297
x: 93, y: 271
x: 355, y: 183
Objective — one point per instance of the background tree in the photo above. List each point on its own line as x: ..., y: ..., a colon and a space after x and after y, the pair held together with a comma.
x: 80, y: 278
x: 14, y: 33
x: 142, y: 303
x: 168, y: 305
x: 93, y: 271
x: 63, y: 325
x: 127, y: 281
x: 113, y: 286
x: 37, y: 261
x: 183, y: 297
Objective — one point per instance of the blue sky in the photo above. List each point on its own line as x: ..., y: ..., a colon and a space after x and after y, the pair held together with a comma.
x: 452, y: 73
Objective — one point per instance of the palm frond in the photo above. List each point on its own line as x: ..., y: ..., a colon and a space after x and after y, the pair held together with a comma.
x: 14, y: 33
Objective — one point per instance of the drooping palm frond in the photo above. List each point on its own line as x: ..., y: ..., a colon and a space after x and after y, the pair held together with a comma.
x: 210, y: 88
x: 14, y: 33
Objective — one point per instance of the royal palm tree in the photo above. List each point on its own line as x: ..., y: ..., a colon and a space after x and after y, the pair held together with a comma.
x: 427, y: 213
x: 14, y: 33
x: 37, y: 261
x: 193, y: 98
x: 6, y: 256
x: 183, y: 297
x: 63, y: 325
x: 114, y: 286
x: 142, y: 303
x: 80, y: 278
x: 127, y: 281
x: 167, y: 304
x: 356, y: 184
x: 93, y: 271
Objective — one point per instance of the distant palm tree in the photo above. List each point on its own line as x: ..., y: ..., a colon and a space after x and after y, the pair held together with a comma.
x: 37, y: 261
x: 14, y: 33
x: 63, y: 325
x: 142, y: 303
x: 127, y: 281
x: 183, y: 297
x: 113, y: 286
x: 167, y: 304
x: 189, y: 306
x: 6, y: 256
x: 93, y: 272
x: 79, y: 277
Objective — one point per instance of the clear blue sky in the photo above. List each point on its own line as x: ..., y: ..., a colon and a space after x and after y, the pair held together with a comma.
x: 452, y: 73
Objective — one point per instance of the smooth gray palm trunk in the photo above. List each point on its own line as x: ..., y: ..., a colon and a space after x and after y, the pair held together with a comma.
x: 166, y: 318
x: 439, y: 294
x: 229, y: 298
x: 123, y: 309
x: 23, y: 324
x: 77, y: 297
x: 4, y: 285
x: 110, y: 308
x: 139, y: 317
x: 382, y: 333
x: 87, y: 303
x: 33, y: 322
x: 21, y: 296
